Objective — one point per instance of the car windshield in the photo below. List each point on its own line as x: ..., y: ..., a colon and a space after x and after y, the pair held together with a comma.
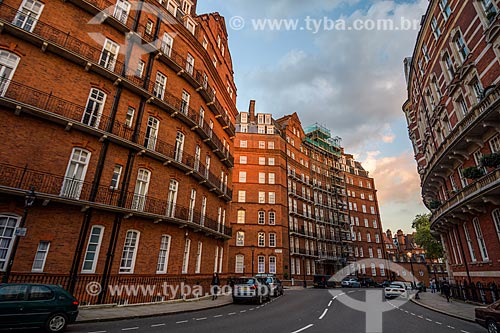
x: 396, y: 286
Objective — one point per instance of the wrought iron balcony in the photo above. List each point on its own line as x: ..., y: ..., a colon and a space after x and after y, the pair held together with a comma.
x: 73, y: 115
x: 75, y: 191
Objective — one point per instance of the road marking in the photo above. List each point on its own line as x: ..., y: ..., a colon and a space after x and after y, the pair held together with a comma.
x: 428, y: 319
x: 251, y: 309
x: 242, y: 311
x: 181, y: 322
x: 231, y: 313
x: 464, y: 331
x: 421, y: 317
x: 303, y: 328
x: 437, y: 322
x: 451, y: 327
x: 156, y: 325
x: 130, y: 328
x: 98, y: 332
x: 412, y: 313
x: 330, y: 303
x: 203, y: 318
x: 324, y: 313
x: 406, y: 311
x: 217, y: 316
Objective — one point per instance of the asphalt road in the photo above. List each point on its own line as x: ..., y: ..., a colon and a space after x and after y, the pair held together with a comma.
x: 311, y: 310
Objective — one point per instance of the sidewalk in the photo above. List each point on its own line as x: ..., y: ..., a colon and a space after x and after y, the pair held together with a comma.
x: 438, y: 303
x: 113, y: 312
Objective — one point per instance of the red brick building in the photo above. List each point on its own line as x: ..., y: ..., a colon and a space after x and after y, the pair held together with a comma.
x: 123, y: 126
x: 453, y: 119
x: 289, y: 212
x: 365, y: 223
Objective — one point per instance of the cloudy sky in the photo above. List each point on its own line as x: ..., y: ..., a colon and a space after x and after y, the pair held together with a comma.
x: 347, y: 78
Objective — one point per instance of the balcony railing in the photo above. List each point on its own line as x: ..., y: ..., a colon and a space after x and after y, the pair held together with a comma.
x: 92, y: 55
x: 71, y: 111
x: 487, y: 182
x: 79, y: 191
x: 465, y: 124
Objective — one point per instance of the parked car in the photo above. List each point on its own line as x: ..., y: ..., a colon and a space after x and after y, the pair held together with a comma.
x: 409, y: 285
x: 36, y: 305
x: 489, y: 317
x: 274, y: 283
x: 250, y: 289
x: 395, y: 290
x: 402, y: 284
x: 350, y: 282
x: 368, y: 282
x: 323, y: 281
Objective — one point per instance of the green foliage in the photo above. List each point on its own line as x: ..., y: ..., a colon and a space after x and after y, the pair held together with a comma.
x: 492, y: 160
x: 423, y: 237
x: 473, y: 173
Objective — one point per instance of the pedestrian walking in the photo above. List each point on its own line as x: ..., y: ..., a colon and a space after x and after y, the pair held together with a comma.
x: 446, y: 290
x: 433, y: 286
x: 215, y: 286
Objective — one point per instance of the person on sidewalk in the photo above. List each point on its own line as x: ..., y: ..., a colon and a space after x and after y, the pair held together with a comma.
x: 446, y: 290
x: 433, y: 286
x: 215, y: 286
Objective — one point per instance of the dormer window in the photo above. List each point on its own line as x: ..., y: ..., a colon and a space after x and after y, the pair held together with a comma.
x: 172, y: 7
x: 186, y: 7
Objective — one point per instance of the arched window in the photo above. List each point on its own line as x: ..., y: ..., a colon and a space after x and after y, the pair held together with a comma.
x: 8, y: 65
x: 162, y: 266
x: 75, y: 173
x: 496, y: 221
x: 129, y: 252
x: 93, y: 247
x: 8, y: 224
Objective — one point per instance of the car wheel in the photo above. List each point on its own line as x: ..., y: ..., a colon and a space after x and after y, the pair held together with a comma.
x: 492, y: 327
x: 56, y: 323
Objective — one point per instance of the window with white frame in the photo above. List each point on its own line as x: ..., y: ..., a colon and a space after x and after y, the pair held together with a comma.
x: 495, y: 144
x: 272, y: 198
x: 270, y: 145
x: 173, y: 189
x: 216, y: 261
x: 460, y: 46
x: 192, y: 203
x: 262, y: 197
x: 445, y: 9
x: 262, y: 145
x: 243, y: 143
x: 75, y: 173
x: 40, y: 256
x: 94, y: 108
x: 186, y: 97
x: 489, y: 9
x: 185, y: 258
x: 480, y: 239
x: 8, y: 225
x: 179, y: 146
x: 261, y: 264
x: 370, y: 252
x: 93, y: 247
x: 141, y: 189
x: 109, y: 54
x: 241, y: 215
x: 373, y: 269
x: 379, y: 253
x: 261, y: 217
x: 190, y: 64
x: 262, y: 178
x: 261, y: 239
x: 271, y: 178
x: 496, y: 220
x: 242, y: 177
x: 160, y: 83
x: 375, y: 225
x: 151, y: 136
x: 243, y: 160
x: 468, y: 238
x: 8, y: 65
x: 272, y: 218
x: 272, y: 265
x: 221, y: 256
x: 242, y: 196
x: 162, y: 265
x: 28, y: 14
x: 148, y: 29
x: 272, y: 239
x: 199, y: 251
x: 240, y: 238
x: 448, y: 63
x: 129, y: 117
x: 239, y: 263
x: 435, y: 28
x: 368, y: 237
x: 129, y: 252
x: 122, y: 9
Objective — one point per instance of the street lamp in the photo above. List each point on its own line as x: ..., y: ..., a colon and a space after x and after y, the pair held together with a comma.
x: 304, y: 266
x: 411, y: 265
x: 29, y: 200
x: 253, y: 249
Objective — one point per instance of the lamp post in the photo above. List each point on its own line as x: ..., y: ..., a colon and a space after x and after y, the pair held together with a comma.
x: 253, y: 250
x: 411, y: 265
x: 304, y: 266
x: 29, y: 200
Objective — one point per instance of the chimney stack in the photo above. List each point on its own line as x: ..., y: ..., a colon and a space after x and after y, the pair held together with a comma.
x: 251, y: 110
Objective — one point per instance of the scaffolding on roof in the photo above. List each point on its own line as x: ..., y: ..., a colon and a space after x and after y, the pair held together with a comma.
x: 321, y: 137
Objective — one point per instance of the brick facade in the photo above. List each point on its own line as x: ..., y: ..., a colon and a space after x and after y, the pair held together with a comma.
x: 149, y: 130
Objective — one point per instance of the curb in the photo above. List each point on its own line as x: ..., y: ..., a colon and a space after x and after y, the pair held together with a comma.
x: 150, y: 315
x: 441, y: 311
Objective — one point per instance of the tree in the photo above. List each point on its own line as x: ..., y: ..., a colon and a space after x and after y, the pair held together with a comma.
x: 423, y: 237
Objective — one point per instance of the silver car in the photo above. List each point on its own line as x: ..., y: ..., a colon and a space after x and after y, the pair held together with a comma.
x: 250, y: 289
